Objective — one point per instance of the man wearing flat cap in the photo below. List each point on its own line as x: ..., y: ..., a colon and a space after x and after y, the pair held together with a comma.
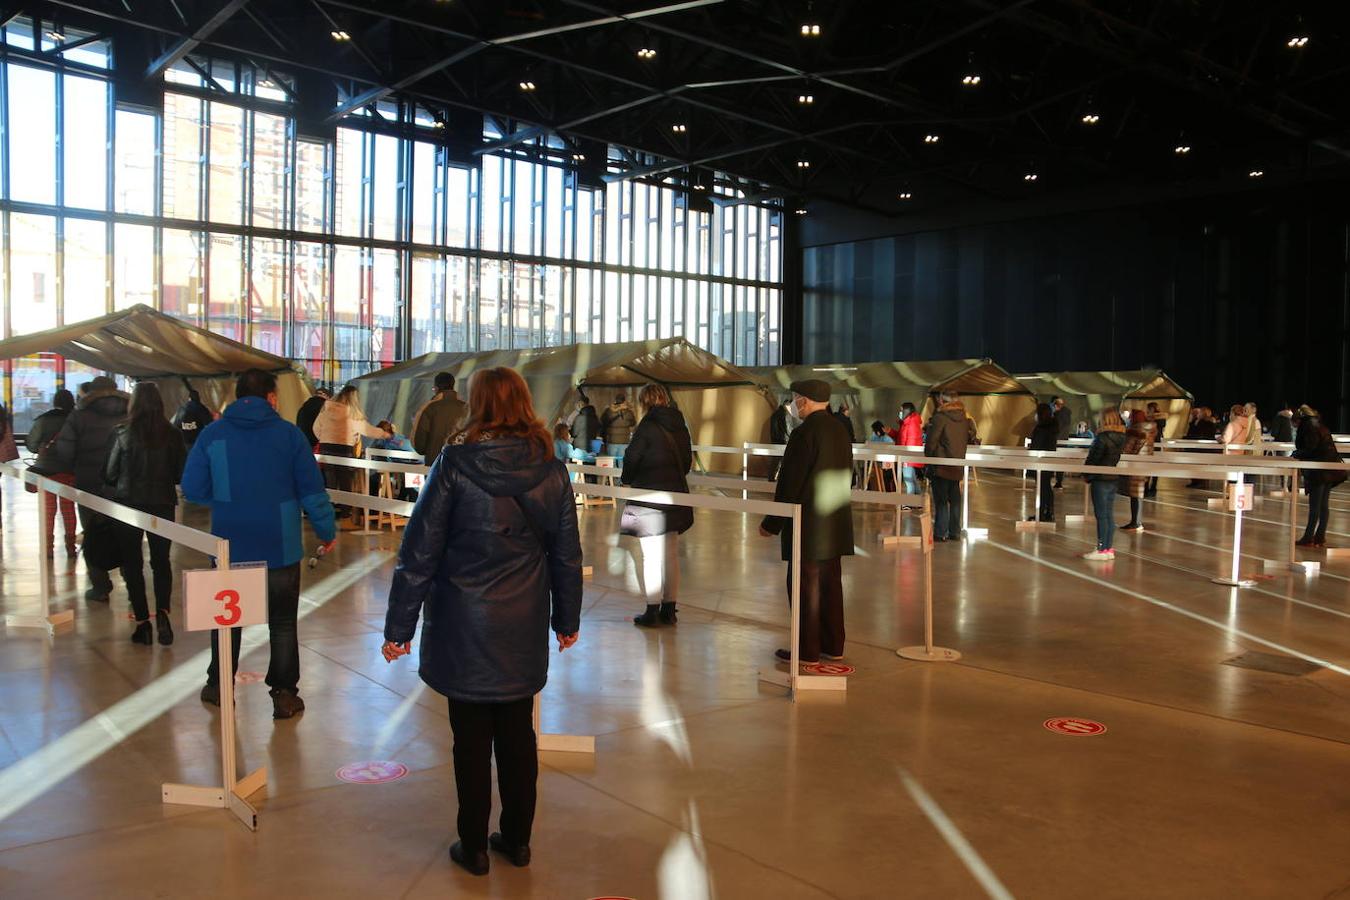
x: 816, y: 472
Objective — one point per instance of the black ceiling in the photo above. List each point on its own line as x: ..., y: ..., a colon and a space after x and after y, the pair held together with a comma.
x: 1217, y: 77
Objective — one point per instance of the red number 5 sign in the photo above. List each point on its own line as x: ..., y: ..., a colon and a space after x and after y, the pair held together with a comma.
x: 225, y: 599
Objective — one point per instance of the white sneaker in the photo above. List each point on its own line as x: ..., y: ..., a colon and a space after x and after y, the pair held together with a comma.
x: 1099, y: 555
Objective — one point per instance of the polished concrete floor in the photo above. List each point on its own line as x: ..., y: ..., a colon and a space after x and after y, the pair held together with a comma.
x: 922, y: 780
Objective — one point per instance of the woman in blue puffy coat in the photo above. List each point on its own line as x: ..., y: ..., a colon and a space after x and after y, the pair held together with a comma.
x: 492, y: 554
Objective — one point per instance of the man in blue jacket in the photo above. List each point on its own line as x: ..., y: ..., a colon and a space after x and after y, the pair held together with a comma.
x: 257, y: 471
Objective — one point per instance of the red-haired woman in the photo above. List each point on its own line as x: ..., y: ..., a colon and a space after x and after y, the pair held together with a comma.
x: 493, y: 554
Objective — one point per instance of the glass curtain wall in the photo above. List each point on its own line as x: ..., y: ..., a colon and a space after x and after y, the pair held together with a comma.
x: 346, y: 254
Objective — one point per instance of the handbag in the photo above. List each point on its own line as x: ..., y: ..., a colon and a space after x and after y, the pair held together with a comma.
x: 630, y: 522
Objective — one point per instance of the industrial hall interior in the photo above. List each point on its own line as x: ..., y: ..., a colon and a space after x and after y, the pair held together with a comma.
x: 674, y: 449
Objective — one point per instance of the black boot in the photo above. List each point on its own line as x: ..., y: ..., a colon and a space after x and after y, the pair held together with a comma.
x: 667, y: 613
x: 163, y: 627
x: 143, y: 633
x: 648, y: 619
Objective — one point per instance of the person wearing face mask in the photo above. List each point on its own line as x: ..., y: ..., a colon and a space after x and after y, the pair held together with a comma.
x: 909, y: 434
x: 817, y: 470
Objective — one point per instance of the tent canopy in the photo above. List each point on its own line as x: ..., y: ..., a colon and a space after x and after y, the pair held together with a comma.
x: 142, y: 343
x: 964, y: 376
x: 998, y: 402
x: 721, y: 403
x: 1147, y: 384
x: 1088, y: 393
x: 398, y: 391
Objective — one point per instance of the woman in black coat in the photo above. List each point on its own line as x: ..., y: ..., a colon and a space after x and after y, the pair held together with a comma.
x: 1105, y: 451
x: 492, y: 552
x: 143, y: 469
x: 1314, y: 443
x: 1045, y: 436
x: 658, y: 459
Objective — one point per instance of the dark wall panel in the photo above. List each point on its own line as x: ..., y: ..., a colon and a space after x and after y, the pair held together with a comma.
x: 1239, y: 298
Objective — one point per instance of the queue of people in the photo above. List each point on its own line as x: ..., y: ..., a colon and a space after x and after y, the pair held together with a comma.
x: 490, y: 562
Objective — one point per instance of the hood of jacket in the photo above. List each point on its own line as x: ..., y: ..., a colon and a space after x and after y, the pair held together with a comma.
x: 956, y: 411
x: 668, y: 418
x: 108, y: 402
x: 503, y: 467
x: 250, y: 412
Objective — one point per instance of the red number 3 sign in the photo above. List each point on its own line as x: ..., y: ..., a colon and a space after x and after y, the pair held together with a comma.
x: 233, y: 598
x: 232, y: 610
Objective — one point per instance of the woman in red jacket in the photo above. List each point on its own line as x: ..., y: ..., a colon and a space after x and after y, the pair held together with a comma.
x: 910, y: 435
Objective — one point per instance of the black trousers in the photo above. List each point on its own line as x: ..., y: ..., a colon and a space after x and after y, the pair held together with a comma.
x: 101, y: 580
x: 1319, y: 510
x: 283, y: 607
x: 480, y: 730
x: 821, y: 611
x: 1045, y: 481
x: 946, y: 507
x: 133, y: 564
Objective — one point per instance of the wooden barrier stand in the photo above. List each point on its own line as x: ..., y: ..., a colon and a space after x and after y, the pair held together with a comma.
x: 928, y: 652
x: 233, y: 792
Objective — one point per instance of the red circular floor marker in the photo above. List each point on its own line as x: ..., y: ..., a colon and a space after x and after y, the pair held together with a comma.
x: 827, y: 668
x: 248, y: 678
x: 372, y: 772
x: 1074, y: 727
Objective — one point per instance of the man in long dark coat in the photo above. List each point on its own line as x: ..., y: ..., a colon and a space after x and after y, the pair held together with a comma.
x: 816, y: 473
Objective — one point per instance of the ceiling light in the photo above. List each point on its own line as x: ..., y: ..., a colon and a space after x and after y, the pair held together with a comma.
x: 340, y: 35
x: 679, y: 128
x: 931, y: 138
x: 527, y: 86
x: 1091, y: 119
x: 810, y: 29
x: 1298, y: 41
x: 1030, y: 176
x: 803, y: 163
x: 906, y: 195
x: 805, y: 99
x: 578, y: 157
x: 801, y: 210
x: 56, y: 36
x: 700, y: 187
x: 1255, y: 173
x: 646, y: 53
x: 1182, y: 149
x: 437, y: 124
x: 971, y: 80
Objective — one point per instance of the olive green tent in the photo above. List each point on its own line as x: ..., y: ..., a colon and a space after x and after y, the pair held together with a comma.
x: 147, y: 345
x: 1086, y: 394
x: 997, y: 402
x: 722, y: 404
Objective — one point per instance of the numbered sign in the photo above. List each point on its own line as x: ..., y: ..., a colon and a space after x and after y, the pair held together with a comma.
x: 1243, y: 499
x: 225, y: 598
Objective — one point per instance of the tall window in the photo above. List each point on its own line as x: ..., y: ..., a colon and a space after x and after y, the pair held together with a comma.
x: 351, y: 253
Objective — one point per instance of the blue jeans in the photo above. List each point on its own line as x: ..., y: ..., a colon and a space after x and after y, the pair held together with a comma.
x: 910, y: 478
x: 946, y: 507
x: 615, y: 450
x: 1104, y: 508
